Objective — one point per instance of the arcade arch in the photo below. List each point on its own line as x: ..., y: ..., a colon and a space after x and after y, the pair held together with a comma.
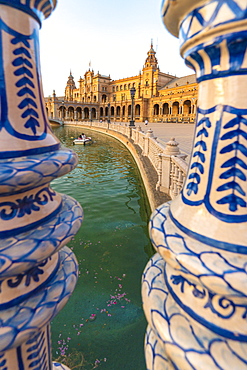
x: 187, y: 107
x: 156, y: 109
x: 165, y: 108
x: 71, y: 113
x: 175, y: 107
x: 86, y: 113
x: 137, y: 110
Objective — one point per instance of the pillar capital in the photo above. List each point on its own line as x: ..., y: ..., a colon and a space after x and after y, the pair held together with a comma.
x: 38, y: 9
x: 150, y: 133
x: 172, y: 147
x: 173, y: 12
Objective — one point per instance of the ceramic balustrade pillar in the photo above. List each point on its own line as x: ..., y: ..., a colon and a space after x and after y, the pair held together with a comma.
x: 195, y: 286
x: 37, y: 271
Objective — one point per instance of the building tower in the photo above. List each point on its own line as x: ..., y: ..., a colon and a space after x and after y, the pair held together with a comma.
x: 150, y: 74
x: 70, y: 86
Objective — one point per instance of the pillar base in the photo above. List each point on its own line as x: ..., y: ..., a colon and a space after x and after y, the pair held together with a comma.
x: 57, y: 366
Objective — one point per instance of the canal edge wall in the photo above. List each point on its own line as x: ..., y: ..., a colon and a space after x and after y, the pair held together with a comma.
x: 148, y: 173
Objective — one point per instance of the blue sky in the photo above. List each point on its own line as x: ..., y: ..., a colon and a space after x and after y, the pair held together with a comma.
x: 113, y: 35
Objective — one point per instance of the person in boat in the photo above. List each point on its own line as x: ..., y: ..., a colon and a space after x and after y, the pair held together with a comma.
x: 83, y: 136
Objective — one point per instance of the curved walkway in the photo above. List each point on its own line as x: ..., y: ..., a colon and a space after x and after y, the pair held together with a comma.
x: 183, y: 133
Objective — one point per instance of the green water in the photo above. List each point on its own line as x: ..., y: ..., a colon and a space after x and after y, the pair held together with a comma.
x: 103, y: 319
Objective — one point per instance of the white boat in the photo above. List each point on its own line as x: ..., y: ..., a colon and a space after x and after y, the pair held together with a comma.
x: 87, y: 140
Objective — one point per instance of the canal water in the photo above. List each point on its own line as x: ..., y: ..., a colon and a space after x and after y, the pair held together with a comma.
x: 103, y: 321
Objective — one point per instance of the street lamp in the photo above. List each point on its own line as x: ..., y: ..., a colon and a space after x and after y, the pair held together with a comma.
x: 109, y: 105
x: 132, y: 95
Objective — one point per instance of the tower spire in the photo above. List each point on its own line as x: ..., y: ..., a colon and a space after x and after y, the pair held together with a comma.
x: 151, y: 60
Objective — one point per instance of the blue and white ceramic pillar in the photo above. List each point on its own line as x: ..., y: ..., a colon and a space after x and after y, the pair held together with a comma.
x: 195, y: 287
x: 37, y: 271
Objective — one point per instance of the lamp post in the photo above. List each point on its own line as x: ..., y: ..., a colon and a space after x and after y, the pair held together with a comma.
x: 132, y: 95
x: 108, y: 105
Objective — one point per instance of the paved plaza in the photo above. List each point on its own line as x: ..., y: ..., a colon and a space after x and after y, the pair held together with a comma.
x: 182, y: 132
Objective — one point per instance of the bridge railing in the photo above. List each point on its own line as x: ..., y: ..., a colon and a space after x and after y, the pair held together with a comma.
x: 167, y: 160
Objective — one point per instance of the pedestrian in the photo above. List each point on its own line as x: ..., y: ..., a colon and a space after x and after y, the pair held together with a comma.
x: 146, y: 122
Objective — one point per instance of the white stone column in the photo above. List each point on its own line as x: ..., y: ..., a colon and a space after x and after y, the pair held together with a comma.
x: 164, y: 181
x: 147, y: 137
x: 37, y: 271
x: 195, y: 286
